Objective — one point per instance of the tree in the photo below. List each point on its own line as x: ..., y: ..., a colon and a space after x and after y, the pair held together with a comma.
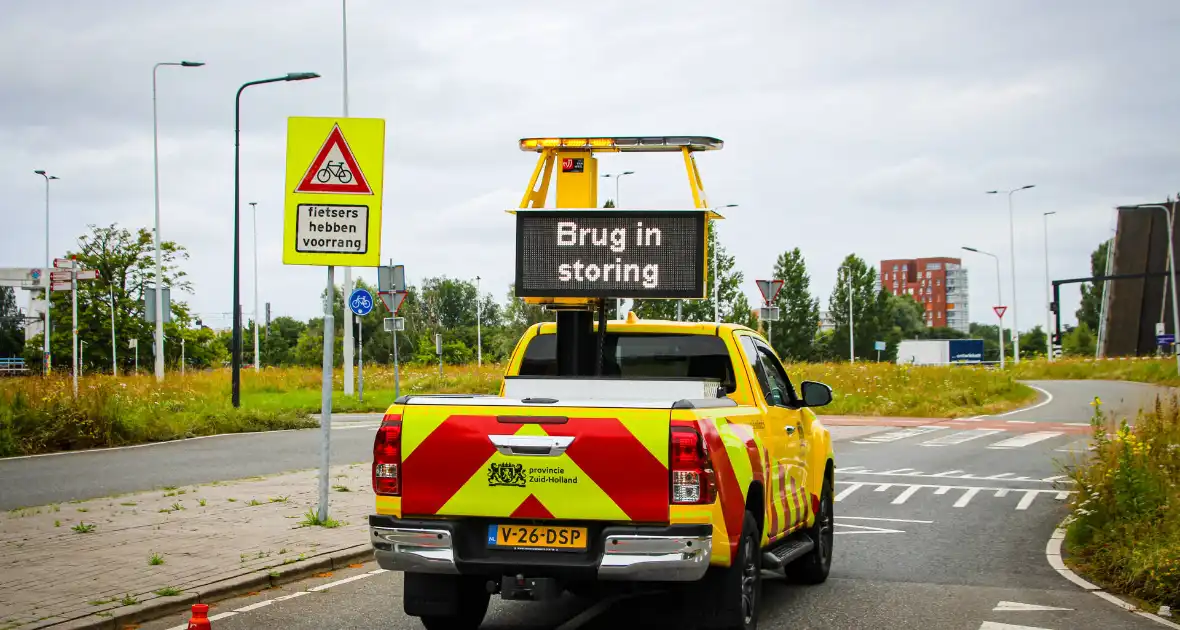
x: 990, y: 334
x: 793, y: 336
x: 1034, y: 343
x: 735, y: 306
x: 12, y: 334
x: 126, y: 266
x: 1091, y: 308
x: 610, y: 203
x: 870, y: 308
x: 1079, y: 341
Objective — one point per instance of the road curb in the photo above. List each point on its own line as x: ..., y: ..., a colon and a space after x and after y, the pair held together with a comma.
x: 220, y: 590
x: 1053, y: 553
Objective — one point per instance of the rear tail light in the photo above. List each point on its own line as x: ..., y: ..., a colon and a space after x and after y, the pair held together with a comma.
x: 690, y: 472
x: 387, y: 457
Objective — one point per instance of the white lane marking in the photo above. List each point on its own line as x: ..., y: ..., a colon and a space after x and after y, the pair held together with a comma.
x: 888, y: 520
x: 220, y: 616
x: 966, y: 498
x: 324, y: 587
x: 960, y: 437
x: 992, y: 625
x: 897, y: 471
x: 951, y: 474
x: 902, y: 434
x: 1061, y: 496
x: 1027, y: 500
x: 883, y: 487
x: 1079, y: 446
x: 849, y: 468
x: 847, y: 491
x: 904, y: 496
x: 1025, y: 439
x: 865, y: 529
x: 1074, y: 424
x: 1053, y: 557
x: 1020, y: 421
x: 942, y: 490
x: 1048, y: 399
x: 1000, y: 494
x: 1021, y: 607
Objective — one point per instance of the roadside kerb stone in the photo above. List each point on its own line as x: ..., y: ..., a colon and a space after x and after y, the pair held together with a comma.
x: 51, y: 575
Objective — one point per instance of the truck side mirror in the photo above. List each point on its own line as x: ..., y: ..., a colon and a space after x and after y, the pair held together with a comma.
x: 816, y: 394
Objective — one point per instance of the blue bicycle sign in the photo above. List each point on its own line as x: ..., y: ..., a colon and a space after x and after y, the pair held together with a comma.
x: 360, y: 302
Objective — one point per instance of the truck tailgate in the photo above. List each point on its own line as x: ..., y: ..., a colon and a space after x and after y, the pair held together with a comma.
x: 536, y: 462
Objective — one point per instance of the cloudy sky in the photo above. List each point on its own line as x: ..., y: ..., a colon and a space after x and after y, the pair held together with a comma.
x: 858, y: 126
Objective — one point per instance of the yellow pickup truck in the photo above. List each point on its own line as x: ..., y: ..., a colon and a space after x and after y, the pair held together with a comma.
x: 688, y: 457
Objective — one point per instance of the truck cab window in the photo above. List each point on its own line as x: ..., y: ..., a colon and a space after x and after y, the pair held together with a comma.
x: 751, y: 352
x: 640, y: 355
x: 781, y: 389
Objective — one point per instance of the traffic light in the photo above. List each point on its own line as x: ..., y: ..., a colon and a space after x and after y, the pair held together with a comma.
x: 1053, y: 307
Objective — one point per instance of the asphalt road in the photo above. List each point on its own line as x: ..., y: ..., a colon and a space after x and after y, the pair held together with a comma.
x: 942, y: 529
x: 55, y: 478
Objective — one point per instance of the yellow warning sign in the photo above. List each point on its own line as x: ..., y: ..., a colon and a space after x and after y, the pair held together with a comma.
x: 334, y: 185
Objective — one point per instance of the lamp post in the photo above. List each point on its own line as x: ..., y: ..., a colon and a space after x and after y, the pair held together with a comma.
x: 1012, y: 253
x: 349, y: 352
x: 45, y: 274
x: 1170, y: 214
x: 618, y: 176
x: 159, y: 341
x: 257, y: 355
x: 237, y: 311
x: 999, y: 297
x: 851, y: 321
x: 716, y: 270
x: 1048, y: 292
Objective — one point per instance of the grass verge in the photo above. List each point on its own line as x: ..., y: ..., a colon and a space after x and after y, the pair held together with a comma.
x: 1155, y: 371
x: 40, y: 415
x: 1124, y: 530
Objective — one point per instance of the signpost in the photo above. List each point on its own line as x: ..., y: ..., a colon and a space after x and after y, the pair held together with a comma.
x: 67, y: 280
x: 134, y: 343
x: 879, y: 346
x: 1000, y: 310
x: 391, y: 286
x: 332, y: 216
x: 361, y: 304
x: 769, y: 290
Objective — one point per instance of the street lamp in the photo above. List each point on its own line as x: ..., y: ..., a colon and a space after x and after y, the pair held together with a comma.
x: 257, y: 359
x: 1048, y: 292
x: 618, y: 301
x: 156, y: 179
x: 716, y: 274
x: 237, y: 311
x: 45, y: 274
x: 1012, y: 251
x: 851, y: 323
x: 1171, y: 269
x: 999, y: 296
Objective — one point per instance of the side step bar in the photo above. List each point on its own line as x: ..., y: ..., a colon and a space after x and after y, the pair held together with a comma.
x: 787, y: 552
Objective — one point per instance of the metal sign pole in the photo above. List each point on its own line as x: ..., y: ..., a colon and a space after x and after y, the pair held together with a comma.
x: 397, y: 381
x: 360, y: 359
x: 326, y: 395
x: 114, y: 346
x: 74, y: 299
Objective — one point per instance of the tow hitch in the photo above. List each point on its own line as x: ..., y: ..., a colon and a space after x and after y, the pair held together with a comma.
x: 518, y: 587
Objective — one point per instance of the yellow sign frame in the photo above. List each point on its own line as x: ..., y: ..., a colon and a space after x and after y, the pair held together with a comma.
x: 306, y: 136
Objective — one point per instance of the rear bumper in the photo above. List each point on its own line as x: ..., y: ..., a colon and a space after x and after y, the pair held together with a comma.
x: 674, y: 553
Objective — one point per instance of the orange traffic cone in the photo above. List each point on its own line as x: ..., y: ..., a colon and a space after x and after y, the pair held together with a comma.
x: 200, y: 618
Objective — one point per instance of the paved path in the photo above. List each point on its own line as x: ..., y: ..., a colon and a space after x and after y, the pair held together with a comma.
x: 938, y: 528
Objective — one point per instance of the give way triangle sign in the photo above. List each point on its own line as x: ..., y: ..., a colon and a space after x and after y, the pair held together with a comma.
x: 334, y: 169
x: 1000, y: 310
x: 769, y: 289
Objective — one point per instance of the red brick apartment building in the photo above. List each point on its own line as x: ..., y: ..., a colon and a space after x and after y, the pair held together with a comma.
x: 938, y: 283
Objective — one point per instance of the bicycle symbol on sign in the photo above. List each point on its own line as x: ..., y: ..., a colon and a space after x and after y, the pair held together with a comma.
x: 334, y: 169
x: 362, y: 303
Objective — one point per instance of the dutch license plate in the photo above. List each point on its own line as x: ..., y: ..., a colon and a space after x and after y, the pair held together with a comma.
x: 537, y: 537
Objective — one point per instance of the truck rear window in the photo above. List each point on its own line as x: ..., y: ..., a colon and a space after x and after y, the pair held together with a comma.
x: 639, y: 355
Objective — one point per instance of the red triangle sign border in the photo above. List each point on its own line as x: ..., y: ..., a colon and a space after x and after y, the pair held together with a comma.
x: 359, y: 185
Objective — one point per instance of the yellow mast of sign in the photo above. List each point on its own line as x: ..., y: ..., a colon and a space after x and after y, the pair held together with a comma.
x: 578, y: 188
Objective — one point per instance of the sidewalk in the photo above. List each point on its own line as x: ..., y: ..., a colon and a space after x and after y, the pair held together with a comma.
x: 246, y: 534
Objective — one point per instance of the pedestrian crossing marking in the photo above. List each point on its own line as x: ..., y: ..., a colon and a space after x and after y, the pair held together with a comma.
x: 969, y: 492
x: 951, y: 474
x: 1025, y: 439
